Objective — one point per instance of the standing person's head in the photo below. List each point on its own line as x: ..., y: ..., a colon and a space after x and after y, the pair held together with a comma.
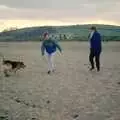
x: 46, y: 36
x: 93, y: 28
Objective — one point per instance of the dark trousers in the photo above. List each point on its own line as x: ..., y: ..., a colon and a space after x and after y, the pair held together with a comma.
x: 96, y: 55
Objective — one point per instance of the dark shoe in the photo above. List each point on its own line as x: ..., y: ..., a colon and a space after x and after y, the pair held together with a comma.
x: 6, y: 75
x: 118, y: 83
x: 91, y: 69
x: 49, y: 72
x: 98, y: 70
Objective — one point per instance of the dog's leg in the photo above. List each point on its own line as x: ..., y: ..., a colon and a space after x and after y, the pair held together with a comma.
x: 6, y: 73
x: 15, y: 70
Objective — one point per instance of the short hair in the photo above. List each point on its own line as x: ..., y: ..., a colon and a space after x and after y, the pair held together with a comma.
x: 93, y: 28
x: 45, y: 34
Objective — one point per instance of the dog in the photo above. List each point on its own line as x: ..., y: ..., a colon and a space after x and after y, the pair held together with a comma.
x: 11, y: 66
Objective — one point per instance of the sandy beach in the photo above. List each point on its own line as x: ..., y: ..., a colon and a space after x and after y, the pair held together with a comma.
x: 71, y: 93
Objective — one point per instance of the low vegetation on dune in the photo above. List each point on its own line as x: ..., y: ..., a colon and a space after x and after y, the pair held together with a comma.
x: 63, y: 33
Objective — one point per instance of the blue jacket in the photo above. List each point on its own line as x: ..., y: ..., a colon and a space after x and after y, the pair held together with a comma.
x: 95, y: 42
x: 50, y: 46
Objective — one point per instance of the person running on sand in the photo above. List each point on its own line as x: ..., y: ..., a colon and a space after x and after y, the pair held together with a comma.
x: 95, y: 48
x: 49, y: 47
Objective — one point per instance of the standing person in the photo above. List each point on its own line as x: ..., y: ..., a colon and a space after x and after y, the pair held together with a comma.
x: 95, y: 48
x: 49, y: 48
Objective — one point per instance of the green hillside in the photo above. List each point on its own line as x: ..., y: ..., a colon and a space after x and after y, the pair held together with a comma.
x: 73, y: 32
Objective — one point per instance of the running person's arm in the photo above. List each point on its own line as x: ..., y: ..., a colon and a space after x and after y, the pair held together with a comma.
x: 42, y: 48
x: 58, y: 46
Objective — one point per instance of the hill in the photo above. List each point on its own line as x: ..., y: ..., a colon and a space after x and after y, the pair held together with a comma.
x: 73, y: 32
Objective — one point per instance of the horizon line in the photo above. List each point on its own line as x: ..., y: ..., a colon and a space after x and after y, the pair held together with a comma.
x: 63, y: 25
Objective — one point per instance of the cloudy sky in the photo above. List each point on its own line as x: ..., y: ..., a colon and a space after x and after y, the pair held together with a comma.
x: 26, y: 13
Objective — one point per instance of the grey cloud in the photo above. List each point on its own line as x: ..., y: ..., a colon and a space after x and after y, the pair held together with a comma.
x: 68, y: 15
x: 47, y: 13
x: 54, y: 4
x: 63, y: 10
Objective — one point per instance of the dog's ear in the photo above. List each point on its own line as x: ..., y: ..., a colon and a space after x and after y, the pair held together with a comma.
x: 20, y: 58
x: 23, y: 65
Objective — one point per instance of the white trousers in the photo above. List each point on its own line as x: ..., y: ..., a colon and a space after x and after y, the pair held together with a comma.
x: 50, y: 60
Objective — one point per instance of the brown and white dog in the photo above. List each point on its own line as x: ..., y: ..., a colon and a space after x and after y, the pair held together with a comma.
x: 11, y: 66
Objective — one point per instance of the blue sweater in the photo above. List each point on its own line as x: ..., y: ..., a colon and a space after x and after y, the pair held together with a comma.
x: 95, y: 42
x: 50, y: 46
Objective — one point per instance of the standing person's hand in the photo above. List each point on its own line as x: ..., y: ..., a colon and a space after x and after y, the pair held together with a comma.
x: 42, y: 54
x: 61, y: 53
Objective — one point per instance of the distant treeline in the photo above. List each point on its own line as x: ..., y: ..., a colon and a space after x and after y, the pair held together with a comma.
x: 62, y: 33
